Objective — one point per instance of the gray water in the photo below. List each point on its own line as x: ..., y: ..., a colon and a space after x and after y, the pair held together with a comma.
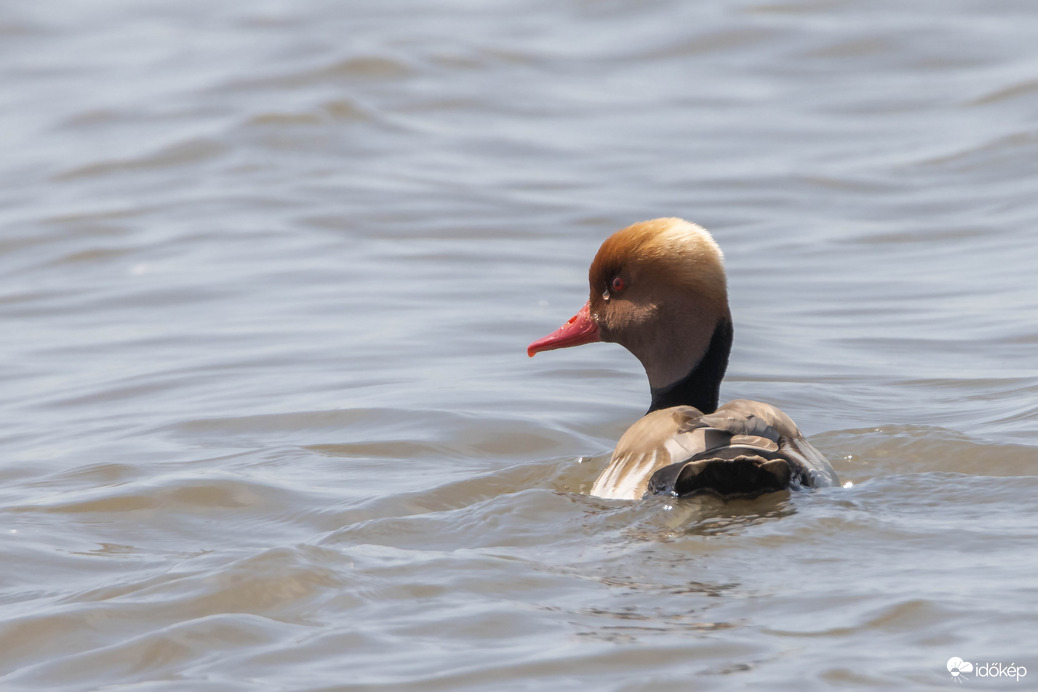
x: 267, y: 275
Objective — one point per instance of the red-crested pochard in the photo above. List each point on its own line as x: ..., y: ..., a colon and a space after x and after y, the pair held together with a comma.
x: 658, y: 289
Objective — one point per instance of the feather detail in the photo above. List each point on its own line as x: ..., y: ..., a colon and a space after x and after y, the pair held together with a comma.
x: 739, y: 445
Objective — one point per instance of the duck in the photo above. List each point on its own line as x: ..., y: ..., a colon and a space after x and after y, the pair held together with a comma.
x: 659, y: 289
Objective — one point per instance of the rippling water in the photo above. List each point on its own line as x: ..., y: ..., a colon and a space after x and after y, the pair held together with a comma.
x: 268, y: 272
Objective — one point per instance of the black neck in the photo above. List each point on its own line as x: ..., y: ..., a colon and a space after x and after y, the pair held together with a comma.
x: 702, y: 386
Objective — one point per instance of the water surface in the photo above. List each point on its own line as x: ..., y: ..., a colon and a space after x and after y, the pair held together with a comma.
x: 267, y: 276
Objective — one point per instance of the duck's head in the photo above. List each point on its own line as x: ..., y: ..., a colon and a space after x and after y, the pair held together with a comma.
x: 658, y: 289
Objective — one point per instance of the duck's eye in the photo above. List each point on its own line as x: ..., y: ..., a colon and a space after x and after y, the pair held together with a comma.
x: 618, y: 284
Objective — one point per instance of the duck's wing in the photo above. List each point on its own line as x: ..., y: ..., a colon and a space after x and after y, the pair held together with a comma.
x: 753, y: 447
x: 648, y: 446
x: 668, y: 437
x: 743, y: 448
